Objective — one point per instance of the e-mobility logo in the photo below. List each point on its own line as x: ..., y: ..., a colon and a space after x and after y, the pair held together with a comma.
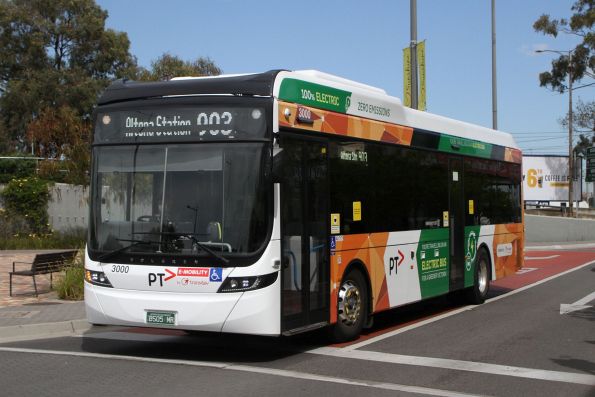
x: 471, y: 250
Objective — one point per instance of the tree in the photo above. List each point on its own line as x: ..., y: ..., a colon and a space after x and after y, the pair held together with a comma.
x: 583, y: 121
x: 61, y: 134
x: 55, y: 55
x: 168, y: 66
x: 580, y: 60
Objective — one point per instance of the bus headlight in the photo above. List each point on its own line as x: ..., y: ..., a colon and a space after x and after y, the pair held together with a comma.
x: 97, y: 278
x: 241, y: 284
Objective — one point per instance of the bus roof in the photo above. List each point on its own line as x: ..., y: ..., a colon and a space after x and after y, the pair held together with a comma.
x: 321, y: 90
x: 310, y: 88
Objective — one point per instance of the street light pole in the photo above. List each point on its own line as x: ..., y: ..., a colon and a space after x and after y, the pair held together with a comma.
x: 494, y: 88
x: 413, y: 51
x: 570, y: 151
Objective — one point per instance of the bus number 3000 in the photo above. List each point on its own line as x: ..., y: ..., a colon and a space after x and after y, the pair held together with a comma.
x: 120, y: 269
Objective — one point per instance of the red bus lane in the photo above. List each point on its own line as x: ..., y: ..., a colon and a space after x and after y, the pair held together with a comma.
x: 538, y: 266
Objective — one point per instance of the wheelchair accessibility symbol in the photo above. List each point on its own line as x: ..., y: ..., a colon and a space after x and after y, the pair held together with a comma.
x: 216, y: 274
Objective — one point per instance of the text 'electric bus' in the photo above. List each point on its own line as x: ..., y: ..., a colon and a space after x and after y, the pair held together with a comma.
x: 281, y: 202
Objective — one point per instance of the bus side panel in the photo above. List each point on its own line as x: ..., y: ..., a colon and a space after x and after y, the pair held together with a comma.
x: 347, y: 250
x: 476, y: 237
x: 508, y: 249
x: 403, y: 267
x: 504, y: 243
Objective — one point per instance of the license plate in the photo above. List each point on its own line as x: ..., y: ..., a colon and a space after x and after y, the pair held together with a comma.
x: 161, y: 318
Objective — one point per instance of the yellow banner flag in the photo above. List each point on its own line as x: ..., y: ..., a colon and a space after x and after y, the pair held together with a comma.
x: 421, y: 65
x: 406, y: 77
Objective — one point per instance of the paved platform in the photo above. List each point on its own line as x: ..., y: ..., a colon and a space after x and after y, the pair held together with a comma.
x: 22, y: 287
x: 24, y: 315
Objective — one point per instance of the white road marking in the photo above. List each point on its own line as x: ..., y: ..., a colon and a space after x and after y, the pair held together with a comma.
x: 459, y: 310
x: 534, y: 258
x: 526, y: 270
x: 459, y: 365
x: 252, y: 369
x: 578, y: 305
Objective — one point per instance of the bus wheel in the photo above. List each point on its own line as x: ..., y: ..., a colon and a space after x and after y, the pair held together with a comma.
x: 352, y: 308
x: 481, y: 280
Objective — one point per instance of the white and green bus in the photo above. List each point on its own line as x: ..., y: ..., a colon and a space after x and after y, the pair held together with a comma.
x: 282, y: 202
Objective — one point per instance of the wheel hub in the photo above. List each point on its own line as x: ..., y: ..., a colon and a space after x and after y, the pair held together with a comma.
x: 350, y: 303
x: 482, y: 277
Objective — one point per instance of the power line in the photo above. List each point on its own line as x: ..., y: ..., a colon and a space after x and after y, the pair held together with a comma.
x: 525, y: 140
x: 540, y: 133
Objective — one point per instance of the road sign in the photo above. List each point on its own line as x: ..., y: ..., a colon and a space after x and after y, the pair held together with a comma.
x: 590, y: 176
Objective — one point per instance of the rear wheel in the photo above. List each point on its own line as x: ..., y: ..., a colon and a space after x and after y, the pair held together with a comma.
x: 352, y: 307
x: 481, y: 282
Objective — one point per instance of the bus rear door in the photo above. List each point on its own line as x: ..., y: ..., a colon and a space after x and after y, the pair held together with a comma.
x: 457, y: 224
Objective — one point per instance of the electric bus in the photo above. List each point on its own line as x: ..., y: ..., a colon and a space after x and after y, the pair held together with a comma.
x: 286, y: 201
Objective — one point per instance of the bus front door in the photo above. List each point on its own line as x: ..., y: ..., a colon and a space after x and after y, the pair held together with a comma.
x: 304, y: 203
x: 457, y: 224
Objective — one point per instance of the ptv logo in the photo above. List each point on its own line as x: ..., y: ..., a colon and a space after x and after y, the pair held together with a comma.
x: 153, y: 277
x: 394, y: 262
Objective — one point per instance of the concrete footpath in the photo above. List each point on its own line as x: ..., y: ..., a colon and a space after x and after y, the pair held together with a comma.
x: 25, y: 316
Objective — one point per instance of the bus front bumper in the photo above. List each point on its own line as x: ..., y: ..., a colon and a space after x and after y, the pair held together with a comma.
x: 253, y: 312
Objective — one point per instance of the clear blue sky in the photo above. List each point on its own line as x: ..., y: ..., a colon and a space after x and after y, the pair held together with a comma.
x: 363, y: 41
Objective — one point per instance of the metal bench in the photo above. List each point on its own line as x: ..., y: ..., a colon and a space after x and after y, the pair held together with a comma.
x: 44, y: 264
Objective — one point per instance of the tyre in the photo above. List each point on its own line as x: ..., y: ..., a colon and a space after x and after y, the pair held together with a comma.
x: 481, y: 280
x: 352, y: 307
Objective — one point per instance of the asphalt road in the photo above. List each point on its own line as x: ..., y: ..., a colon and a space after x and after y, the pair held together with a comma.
x: 517, y: 344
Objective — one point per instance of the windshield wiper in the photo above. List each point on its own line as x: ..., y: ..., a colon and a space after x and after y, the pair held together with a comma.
x: 107, y: 255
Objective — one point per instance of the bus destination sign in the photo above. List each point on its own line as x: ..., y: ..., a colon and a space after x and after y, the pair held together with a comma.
x: 180, y: 124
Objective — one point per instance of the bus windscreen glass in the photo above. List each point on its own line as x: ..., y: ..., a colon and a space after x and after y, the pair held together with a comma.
x: 176, y: 199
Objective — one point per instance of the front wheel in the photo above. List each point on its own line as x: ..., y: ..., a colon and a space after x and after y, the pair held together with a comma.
x: 352, y: 307
x: 481, y: 281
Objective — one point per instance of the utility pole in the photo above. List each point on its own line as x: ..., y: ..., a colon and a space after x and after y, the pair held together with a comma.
x: 494, y: 90
x: 570, y: 151
x: 413, y: 49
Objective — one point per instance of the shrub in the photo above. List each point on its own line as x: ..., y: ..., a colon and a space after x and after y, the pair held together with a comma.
x: 16, y: 168
x: 52, y: 171
x: 12, y: 239
x: 28, y: 198
x: 71, y: 285
x: 13, y: 225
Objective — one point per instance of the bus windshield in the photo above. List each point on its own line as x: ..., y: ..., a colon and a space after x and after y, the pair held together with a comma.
x: 179, y: 199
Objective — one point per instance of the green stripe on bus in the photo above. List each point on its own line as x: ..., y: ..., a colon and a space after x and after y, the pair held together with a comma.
x: 470, y: 249
x: 433, y: 262
x: 454, y: 144
x: 315, y: 95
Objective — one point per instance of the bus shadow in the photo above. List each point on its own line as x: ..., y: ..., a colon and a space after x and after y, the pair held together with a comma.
x: 576, y: 364
x: 204, y: 347
x: 410, y: 314
x: 218, y: 348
